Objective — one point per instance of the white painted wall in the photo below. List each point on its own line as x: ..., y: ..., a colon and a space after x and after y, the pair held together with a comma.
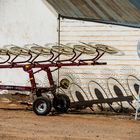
x: 26, y: 21
x: 23, y: 22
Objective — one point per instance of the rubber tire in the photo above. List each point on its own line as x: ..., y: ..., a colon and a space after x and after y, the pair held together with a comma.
x: 46, y: 102
x: 61, y: 103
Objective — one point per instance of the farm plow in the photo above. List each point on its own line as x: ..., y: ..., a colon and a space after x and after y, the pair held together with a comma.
x: 73, y: 53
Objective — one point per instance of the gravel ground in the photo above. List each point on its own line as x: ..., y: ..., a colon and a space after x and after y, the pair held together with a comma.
x: 17, y: 123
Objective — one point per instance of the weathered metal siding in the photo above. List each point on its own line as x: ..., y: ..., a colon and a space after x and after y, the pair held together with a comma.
x: 126, y: 12
x: 118, y: 67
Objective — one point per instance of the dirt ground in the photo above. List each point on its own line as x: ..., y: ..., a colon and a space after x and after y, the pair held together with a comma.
x: 17, y: 123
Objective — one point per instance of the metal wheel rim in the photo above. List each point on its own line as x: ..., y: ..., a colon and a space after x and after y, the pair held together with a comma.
x: 41, y: 106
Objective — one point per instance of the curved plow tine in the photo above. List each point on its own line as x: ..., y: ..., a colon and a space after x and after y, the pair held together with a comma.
x: 99, y: 53
x: 84, y: 49
x: 40, y: 51
x: 34, y: 51
x: 101, y: 49
x: 67, y: 50
x: 4, y: 52
x: 116, y: 89
x: 99, y: 95
x: 16, y: 51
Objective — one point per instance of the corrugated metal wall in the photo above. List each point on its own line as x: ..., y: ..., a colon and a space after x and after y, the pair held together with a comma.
x: 120, y: 70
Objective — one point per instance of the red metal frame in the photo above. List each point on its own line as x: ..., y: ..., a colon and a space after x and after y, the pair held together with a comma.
x: 30, y: 64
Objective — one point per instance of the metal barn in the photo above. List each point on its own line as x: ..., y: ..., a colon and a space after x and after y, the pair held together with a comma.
x: 114, y: 23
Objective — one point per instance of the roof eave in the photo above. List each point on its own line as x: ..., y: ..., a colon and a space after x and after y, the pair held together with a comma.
x: 101, y: 21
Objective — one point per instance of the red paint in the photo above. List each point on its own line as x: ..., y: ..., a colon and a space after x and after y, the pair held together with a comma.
x: 28, y: 67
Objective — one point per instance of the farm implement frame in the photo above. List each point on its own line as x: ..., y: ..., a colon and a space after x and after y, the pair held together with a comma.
x: 42, y: 104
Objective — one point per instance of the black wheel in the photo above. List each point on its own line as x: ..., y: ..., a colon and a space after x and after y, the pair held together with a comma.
x: 42, y: 106
x: 61, y: 103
